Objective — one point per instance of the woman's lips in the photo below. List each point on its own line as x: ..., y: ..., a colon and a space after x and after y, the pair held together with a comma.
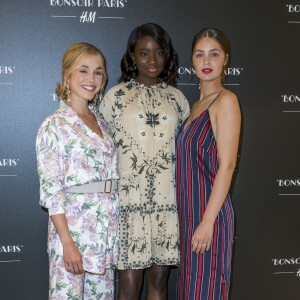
x: 152, y: 70
x: 89, y: 88
x: 207, y: 70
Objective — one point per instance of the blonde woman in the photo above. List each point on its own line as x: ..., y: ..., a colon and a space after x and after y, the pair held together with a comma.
x: 77, y: 166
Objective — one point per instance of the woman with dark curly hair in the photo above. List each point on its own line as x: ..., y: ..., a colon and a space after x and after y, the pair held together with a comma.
x: 144, y: 112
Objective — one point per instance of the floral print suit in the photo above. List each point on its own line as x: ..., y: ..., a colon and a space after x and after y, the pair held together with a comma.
x: 70, y: 153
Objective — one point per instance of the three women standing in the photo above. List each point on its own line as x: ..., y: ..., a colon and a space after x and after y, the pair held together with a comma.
x: 144, y: 113
x: 207, y: 146
x: 77, y: 165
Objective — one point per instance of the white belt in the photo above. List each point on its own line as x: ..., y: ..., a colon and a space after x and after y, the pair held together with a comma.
x: 106, y: 186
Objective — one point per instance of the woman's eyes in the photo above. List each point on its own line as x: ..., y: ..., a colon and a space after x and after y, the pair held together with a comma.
x: 83, y: 71
x: 158, y: 53
x: 213, y: 54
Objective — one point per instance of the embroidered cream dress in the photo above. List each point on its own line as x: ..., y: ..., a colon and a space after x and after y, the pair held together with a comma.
x: 70, y: 153
x: 144, y: 122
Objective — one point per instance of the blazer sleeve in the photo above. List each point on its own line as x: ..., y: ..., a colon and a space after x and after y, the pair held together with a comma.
x: 50, y: 169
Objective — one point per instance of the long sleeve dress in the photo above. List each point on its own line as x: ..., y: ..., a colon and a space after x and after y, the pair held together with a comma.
x: 144, y: 121
x: 70, y: 153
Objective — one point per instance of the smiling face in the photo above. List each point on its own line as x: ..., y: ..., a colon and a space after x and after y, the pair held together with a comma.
x: 209, y: 59
x: 149, y: 59
x: 86, y: 80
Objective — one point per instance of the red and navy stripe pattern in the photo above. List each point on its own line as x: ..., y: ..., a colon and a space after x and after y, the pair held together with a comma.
x: 201, y: 276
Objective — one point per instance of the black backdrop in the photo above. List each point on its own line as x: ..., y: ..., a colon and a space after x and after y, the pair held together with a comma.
x: 264, y: 73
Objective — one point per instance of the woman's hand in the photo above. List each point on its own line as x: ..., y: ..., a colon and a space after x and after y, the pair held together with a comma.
x: 72, y: 258
x: 202, y: 237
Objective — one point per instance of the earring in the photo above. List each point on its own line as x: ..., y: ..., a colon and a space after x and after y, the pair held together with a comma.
x: 224, y: 69
x: 67, y: 92
x: 134, y: 66
x: 96, y: 98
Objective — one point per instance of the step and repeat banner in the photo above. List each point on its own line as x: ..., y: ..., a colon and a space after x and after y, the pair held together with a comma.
x: 264, y: 73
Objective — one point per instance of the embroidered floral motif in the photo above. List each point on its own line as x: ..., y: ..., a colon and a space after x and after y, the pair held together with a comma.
x: 152, y: 119
x: 146, y: 120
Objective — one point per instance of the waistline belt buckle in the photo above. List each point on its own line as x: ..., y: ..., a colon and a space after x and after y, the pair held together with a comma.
x: 108, y: 186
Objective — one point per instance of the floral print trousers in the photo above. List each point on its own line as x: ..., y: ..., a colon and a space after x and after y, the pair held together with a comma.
x: 88, y: 286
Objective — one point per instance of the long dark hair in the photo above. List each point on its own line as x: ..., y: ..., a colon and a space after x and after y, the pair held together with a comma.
x: 219, y: 37
x: 169, y: 74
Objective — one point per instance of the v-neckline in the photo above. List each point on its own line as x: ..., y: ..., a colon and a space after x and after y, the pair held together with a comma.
x: 91, y: 130
x: 185, y: 127
x: 100, y: 137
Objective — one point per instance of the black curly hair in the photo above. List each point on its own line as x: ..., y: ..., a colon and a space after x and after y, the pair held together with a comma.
x: 169, y: 74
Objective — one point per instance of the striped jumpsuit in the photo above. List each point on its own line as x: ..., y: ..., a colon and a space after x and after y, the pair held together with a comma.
x: 201, y: 276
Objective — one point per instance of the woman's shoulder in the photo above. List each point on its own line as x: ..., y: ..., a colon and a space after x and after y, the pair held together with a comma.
x: 227, y: 97
x: 173, y: 89
x: 169, y: 89
x: 226, y: 100
x: 180, y: 97
x: 48, y: 125
x: 114, y: 89
x: 53, y: 119
x: 48, y: 128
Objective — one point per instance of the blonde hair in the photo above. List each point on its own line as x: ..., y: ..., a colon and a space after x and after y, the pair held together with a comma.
x: 71, y: 61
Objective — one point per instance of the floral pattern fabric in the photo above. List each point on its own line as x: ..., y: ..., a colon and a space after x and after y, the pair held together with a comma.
x: 70, y: 153
x: 144, y: 122
x: 68, y: 286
